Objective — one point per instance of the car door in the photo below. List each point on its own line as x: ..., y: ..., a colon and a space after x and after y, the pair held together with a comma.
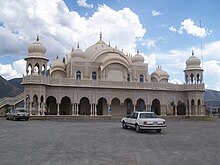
x: 133, y: 119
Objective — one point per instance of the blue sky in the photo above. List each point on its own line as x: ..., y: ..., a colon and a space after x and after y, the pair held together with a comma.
x: 164, y: 31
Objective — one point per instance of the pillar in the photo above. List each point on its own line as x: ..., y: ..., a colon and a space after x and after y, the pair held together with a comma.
x: 190, y: 110
x: 73, y: 109
x: 95, y: 109
x: 58, y: 109
x: 77, y: 109
x: 43, y: 108
x: 196, y: 110
x: 91, y: 110
x: 175, y: 107
x: 30, y: 108
x: 109, y: 110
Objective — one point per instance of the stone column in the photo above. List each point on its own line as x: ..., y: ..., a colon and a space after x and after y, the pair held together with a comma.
x: 190, y: 110
x: 95, y: 110
x: 77, y: 109
x: 91, y: 110
x: 199, y: 110
x: 109, y: 109
x: 162, y: 110
x: 196, y: 110
x: 30, y: 108
x: 38, y: 108
x: 175, y: 107
x: 73, y: 110
x: 43, y: 108
x: 148, y: 107
x: 58, y: 109
x: 167, y: 109
x: 134, y: 108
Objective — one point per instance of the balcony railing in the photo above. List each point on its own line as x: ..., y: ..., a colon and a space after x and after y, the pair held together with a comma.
x: 33, y: 79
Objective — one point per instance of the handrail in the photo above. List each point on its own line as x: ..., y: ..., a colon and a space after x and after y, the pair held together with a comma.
x: 12, y: 100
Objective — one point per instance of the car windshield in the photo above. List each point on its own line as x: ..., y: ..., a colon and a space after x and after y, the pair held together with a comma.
x: 148, y: 115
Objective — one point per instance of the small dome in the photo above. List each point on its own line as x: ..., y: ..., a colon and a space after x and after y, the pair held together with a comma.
x: 193, y: 62
x: 137, y: 58
x: 160, y: 73
x: 57, y: 64
x: 37, y: 49
x: 77, y: 53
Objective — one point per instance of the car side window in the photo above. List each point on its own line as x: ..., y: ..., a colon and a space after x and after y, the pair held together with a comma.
x: 135, y: 115
x: 131, y: 115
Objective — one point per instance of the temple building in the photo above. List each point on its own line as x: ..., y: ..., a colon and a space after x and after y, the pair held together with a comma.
x: 103, y: 80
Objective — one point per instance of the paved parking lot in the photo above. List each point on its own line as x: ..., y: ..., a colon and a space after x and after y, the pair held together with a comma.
x: 106, y: 143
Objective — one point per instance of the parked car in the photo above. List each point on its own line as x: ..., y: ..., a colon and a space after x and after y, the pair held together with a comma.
x: 17, y: 114
x: 143, y: 121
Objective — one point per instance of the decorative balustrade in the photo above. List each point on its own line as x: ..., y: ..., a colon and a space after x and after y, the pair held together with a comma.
x: 110, y: 84
x: 12, y: 100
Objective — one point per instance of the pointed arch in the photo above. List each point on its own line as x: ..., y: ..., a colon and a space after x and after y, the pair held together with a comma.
x: 102, y: 107
x: 140, y: 105
x: 117, y: 108
x: 84, y: 106
x: 181, y: 108
x: 51, y: 106
x: 65, y: 106
x: 156, y: 106
x: 128, y: 105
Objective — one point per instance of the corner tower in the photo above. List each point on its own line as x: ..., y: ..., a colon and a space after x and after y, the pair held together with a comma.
x: 193, y: 71
x: 36, y: 61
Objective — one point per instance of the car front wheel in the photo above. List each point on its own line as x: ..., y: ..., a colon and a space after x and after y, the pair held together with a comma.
x: 137, y: 128
x: 124, y: 125
x: 14, y: 118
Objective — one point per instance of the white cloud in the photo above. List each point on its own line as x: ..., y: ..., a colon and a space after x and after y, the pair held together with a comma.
x: 156, y: 13
x: 60, y: 29
x: 150, y: 60
x: 212, y: 74
x: 172, y: 29
x: 17, y: 69
x: 83, y: 3
x: 175, y: 81
x: 190, y: 28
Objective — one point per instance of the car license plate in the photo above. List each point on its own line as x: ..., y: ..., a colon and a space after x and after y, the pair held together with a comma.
x: 155, y: 123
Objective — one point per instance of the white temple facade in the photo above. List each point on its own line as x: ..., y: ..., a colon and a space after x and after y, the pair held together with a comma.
x: 102, y: 80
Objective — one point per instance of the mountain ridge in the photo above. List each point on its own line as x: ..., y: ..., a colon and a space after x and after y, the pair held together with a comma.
x: 10, y: 88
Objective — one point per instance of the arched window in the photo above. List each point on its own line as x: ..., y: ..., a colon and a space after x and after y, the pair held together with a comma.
x: 197, y: 78
x: 141, y: 77
x: 128, y: 77
x: 78, y: 75
x: 191, y: 78
x: 93, y: 75
x: 186, y: 79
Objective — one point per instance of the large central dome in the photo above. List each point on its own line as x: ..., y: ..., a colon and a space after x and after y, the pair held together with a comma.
x: 98, y: 46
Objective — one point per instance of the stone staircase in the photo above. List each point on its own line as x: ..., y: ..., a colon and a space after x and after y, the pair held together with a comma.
x: 10, y: 101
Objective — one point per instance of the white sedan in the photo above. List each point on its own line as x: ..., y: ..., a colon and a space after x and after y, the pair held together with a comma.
x: 142, y: 121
